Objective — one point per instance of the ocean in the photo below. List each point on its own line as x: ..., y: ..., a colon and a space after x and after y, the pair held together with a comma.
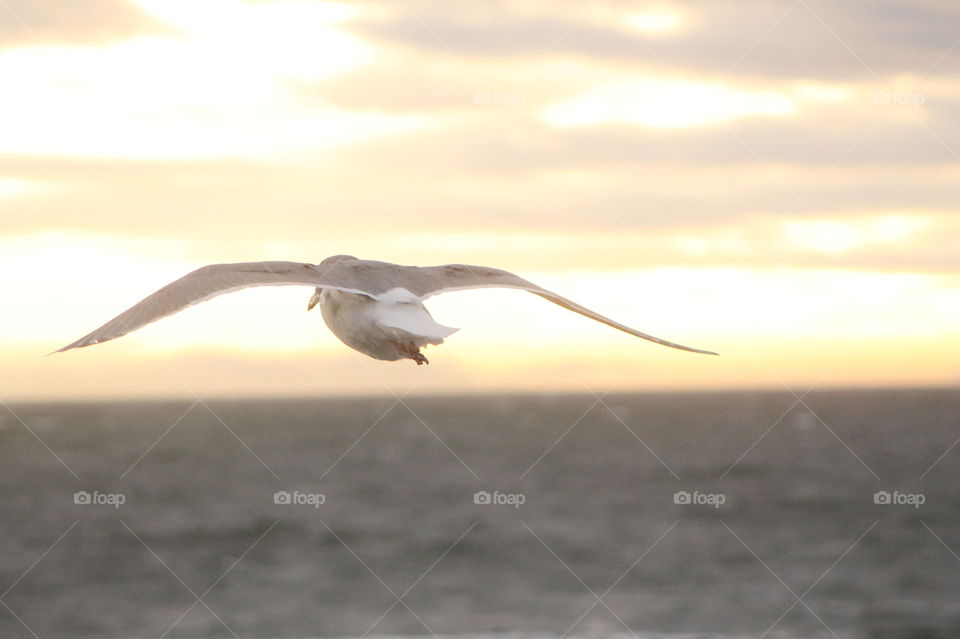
x: 727, y: 514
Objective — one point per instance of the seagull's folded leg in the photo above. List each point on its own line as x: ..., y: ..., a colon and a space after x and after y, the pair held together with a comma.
x: 412, y: 351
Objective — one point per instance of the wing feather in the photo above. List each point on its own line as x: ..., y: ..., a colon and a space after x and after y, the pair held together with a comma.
x: 203, y: 284
x: 432, y: 280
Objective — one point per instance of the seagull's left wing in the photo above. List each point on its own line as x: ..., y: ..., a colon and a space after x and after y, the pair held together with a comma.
x: 432, y: 280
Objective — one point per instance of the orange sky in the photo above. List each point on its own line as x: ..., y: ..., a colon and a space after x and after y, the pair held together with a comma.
x: 776, y: 182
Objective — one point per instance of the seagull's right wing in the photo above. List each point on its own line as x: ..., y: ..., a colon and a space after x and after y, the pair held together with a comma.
x: 203, y: 284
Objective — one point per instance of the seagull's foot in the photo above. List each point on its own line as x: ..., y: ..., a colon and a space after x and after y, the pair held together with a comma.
x: 412, y: 351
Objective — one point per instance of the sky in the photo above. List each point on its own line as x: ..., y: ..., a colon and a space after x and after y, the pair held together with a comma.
x: 774, y: 181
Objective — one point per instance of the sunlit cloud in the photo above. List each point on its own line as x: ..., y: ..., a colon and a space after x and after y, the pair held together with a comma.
x: 16, y: 187
x: 841, y: 236
x: 667, y: 104
x: 220, y: 88
x: 824, y: 93
x: 656, y: 22
x: 768, y: 40
x: 89, y: 22
x: 297, y: 39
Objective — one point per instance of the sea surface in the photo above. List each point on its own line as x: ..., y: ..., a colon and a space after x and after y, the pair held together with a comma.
x: 735, y: 514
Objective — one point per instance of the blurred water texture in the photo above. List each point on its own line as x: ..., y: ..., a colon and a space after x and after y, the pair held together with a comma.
x: 598, y: 481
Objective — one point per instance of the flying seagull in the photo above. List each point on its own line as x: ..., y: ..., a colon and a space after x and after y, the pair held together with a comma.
x: 373, y: 307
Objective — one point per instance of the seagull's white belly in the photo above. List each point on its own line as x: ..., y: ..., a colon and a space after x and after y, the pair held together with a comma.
x: 376, y: 327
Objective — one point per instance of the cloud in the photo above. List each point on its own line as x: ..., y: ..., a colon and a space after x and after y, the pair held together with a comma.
x: 810, y: 39
x: 469, y: 179
x: 205, y: 93
x: 34, y: 22
x: 783, y: 154
x: 441, y: 86
x: 489, y: 158
x: 511, y: 126
x: 198, y: 214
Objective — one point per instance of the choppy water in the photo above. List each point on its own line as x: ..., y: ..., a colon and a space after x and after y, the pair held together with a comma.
x: 787, y: 537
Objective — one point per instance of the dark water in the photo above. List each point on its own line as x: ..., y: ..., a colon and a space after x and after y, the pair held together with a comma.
x: 797, y: 548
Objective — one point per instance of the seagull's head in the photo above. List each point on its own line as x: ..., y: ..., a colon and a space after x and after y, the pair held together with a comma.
x: 318, y: 296
x: 333, y: 259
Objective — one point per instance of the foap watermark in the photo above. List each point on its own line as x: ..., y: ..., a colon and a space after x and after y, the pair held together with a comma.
x: 496, y: 498
x: 899, y: 99
x: 297, y: 498
x: 696, y: 498
x: 896, y: 498
x: 96, y: 498
x: 494, y: 98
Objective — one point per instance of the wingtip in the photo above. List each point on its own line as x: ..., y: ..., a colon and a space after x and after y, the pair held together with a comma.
x: 689, y: 349
x: 698, y: 351
x: 65, y: 348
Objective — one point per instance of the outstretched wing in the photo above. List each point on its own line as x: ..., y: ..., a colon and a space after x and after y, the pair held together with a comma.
x: 432, y: 280
x: 206, y: 283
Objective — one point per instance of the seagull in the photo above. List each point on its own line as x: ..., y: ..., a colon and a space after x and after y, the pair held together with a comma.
x: 373, y: 307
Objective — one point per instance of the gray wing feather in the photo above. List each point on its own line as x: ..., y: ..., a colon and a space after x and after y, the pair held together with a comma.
x: 202, y: 285
x: 431, y: 280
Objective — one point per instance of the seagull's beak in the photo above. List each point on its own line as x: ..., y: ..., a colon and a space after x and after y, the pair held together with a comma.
x: 314, y: 300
